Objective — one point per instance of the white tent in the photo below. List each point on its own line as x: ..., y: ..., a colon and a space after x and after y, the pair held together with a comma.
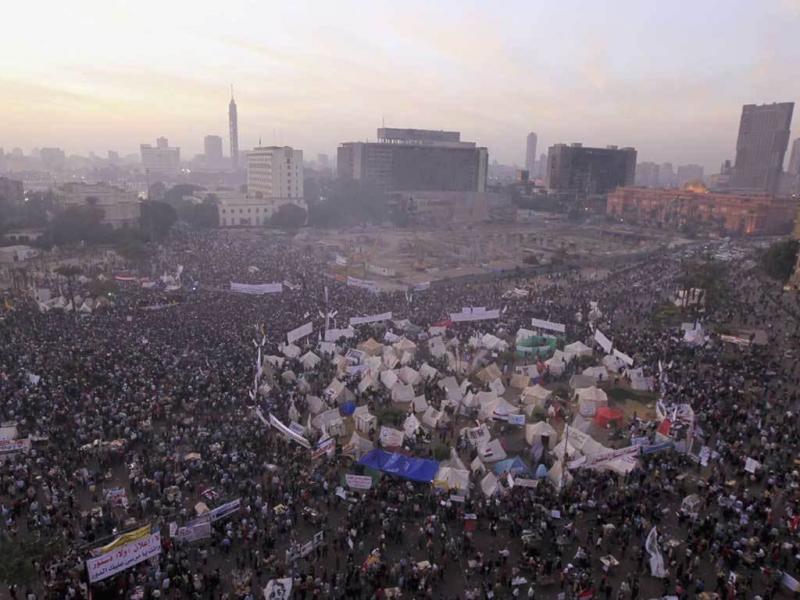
x: 499, y: 408
x: 492, y: 342
x: 535, y: 395
x: 596, y: 373
x: 558, y: 362
x: 405, y: 345
x: 357, y: 446
x: 289, y: 376
x: 593, y: 394
x: 489, y: 485
x: 388, y: 379
x: 490, y: 373
x: 367, y: 382
x: 432, y: 417
x: 365, y: 421
x: 452, y: 479
x: 310, y: 360
x: 326, y: 348
x: 390, y: 359
x: 371, y: 347
x: 329, y: 421
x: 391, y: 438
x: 613, y: 363
x: 497, y: 387
x: 289, y: 350
x: 275, y: 361
x: 450, y: 385
x: 411, y: 425
x: 436, y: 347
x: 420, y: 404
x: 520, y: 381
x: 492, y: 452
x: 427, y: 372
x: 577, y: 349
x: 402, y: 392
x: 409, y: 376
x: 477, y: 466
x: 338, y: 392
x: 315, y: 404
x: 534, y: 432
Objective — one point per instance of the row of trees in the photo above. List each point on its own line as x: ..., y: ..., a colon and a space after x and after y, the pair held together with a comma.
x: 779, y: 260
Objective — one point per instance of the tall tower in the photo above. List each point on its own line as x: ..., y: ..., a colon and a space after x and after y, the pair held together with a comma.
x: 761, y: 146
x: 530, y: 155
x: 233, y: 123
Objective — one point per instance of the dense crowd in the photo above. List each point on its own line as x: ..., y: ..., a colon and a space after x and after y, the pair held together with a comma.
x: 152, y: 395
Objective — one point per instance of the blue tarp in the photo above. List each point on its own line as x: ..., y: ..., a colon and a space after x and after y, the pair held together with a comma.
x: 541, y: 472
x: 407, y: 467
x: 512, y: 465
x: 348, y: 408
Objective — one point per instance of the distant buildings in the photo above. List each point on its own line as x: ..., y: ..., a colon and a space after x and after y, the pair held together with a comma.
x: 583, y: 171
x: 53, y: 159
x: 415, y: 160
x: 212, y: 145
x: 794, y: 159
x: 120, y: 207
x: 11, y: 191
x: 647, y: 174
x: 689, y: 174
x: 530, y: 155
x: 666, y: 175
x: 695, y: 207
x: 233, y: 128
x: 761, y: 146
x: 161, y: 159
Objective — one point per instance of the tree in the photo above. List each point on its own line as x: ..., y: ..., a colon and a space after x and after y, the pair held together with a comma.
x: 70, y: 272
x: 288, y: 216
x: 77, y: 224
x: 780, y: 259
x: 177, y: 192
x: 156, y: 219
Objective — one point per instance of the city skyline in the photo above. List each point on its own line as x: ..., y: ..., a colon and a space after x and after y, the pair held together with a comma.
x: 116, y: 77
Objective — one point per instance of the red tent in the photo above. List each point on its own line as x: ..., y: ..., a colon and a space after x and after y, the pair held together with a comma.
x: 605, y: 415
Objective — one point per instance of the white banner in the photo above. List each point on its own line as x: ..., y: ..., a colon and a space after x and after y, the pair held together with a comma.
x: 474, y: 313
x: 527, y: 483
x: 387, y: 316
x: 286, y: 431
x: 595, y: 460
x: 7, y: 446
x: 278, y: 589
x: 341, y: 260
x: 601, y: 339
x: 117, y: 560
x: 333, y: 335
x: 391, y: 438
x: 224, y: 510
x: 549, y: 325
x: 198, y: 529
x: 624, y: 357
x: 257, y: 289
x: 363, y: 283
x: 378, y: 270
x: 516, y: 419
x: 656, y: 560
x: 299, y: 332
x: 358, y: 482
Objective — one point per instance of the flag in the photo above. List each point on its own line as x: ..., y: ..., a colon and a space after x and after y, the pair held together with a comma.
x: 656, y: 560
x: 278, y: 589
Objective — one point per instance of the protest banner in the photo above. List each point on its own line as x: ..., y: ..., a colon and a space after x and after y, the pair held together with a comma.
x: 421, y: 287
x: 474, y: 313
x: 516, y: 419
x: 278, y: 589
x: 334, y: 335
x: 751, y: 465
x: 363, y: 283
x: 285, y: 430
x: 199, y: 529
x: 299, y: 332
x: 604, y: 342
x: 341, y: 260
x: 116, y: 497
x: 8, y: 446
x: 549, y: 325
x: 257, y: 289
x: 125, y: 538
x: 526, y: 483
x: 656, y: 559
x: 358, y: 482
x: 123, y: 557
x: 325, y: 447
x: 391, y: 438
x: 624, y: 357
x: 387, y: 316
x: 379, y: 270
x: 224, y: 510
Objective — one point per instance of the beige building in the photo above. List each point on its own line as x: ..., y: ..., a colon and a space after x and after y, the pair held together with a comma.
x: 120, y: 207
x: 240, y: 210
x: 161, y: 159
x: 276, y: 172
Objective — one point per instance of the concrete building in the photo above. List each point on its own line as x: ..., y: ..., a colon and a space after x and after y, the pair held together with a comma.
x: 583, y: 171
x: 764, y: 132
x: 241, y: 210
x: 666, y: 175
x: 161, y: 159
x: 689, y: 174
x: 415, y: 160
x: 647, y: 174
x: 530, y: 154
x: 11, y: 191
x: 121, y: 208
x: 696, y: 207
x: 53, y: 159
x: 794, y: 159
x: 275, y: 176
x: 233, y: 130
x: 212, y: 145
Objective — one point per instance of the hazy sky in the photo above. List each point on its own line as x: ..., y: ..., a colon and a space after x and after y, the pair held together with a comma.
x: 666, y: 77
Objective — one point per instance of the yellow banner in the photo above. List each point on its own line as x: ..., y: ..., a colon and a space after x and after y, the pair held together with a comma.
x: 125, y: 538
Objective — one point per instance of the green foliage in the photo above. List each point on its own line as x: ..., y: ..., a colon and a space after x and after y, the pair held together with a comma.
x: 780, y: 258
x: 18, y: 556
x: 440, y: 451
x: 77, y: 224
x: 390, y: 416
x: 156, y: 219
x: 347, y: 203
x: 288, y: 216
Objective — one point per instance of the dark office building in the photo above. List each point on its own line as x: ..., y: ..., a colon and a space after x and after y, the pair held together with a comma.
x: 761, y: 146
x: 415, y: 160
x: 581, y: 171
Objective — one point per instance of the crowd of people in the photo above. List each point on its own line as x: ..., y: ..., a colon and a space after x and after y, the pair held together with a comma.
x: 142, y: 410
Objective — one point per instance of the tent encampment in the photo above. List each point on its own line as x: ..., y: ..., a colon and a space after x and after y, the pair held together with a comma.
x: 541, y: 432
x: 414, y: 469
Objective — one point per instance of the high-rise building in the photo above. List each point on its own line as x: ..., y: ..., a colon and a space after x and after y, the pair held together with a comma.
x: 276, y: 173
x: 794, y: 158
x: 11, y: 191
x: 415, y: 160
x: 52, y: 159
x: 647, y: 174
x: 213, y: 151
x: 689, y: 174
x: 582, y: 171
x: 120, y: 208
x: 233, y: 124
x: 666, y: 175
x: 530, y: 154
x: 161, y: 159
x: 764, y: 132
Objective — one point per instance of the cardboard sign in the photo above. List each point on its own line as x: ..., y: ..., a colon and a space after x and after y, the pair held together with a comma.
x: 358, y: 482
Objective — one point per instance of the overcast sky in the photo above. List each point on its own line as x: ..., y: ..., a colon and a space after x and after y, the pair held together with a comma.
x: 666, y: 77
